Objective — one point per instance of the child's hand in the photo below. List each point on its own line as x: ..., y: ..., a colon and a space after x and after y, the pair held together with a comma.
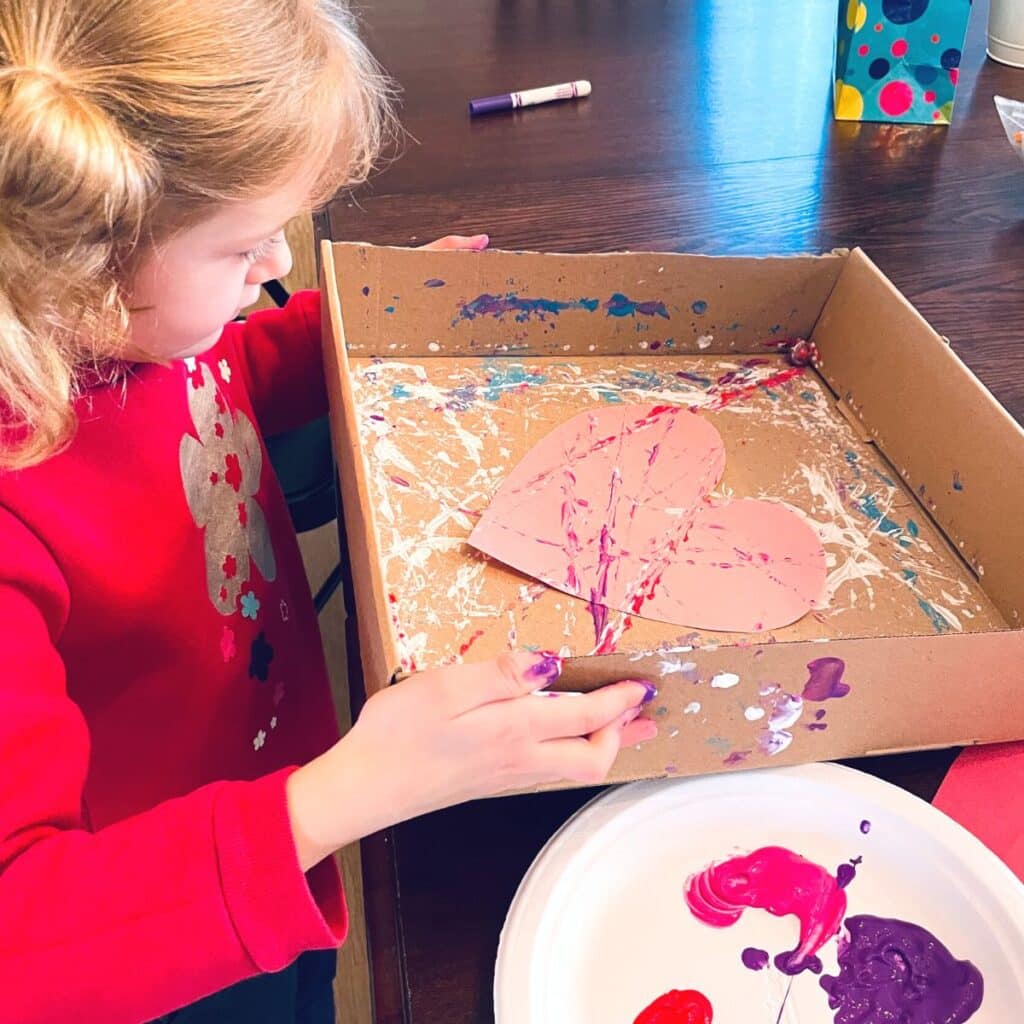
x: 455, y: 734
x: 474, y: 243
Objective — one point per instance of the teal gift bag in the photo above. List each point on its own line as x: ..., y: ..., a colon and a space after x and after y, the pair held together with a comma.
x: 899, y: 60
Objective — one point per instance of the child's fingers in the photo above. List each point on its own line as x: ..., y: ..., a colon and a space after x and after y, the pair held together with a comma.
x: 639, y: 731
x: 555, y: 715
x: 587, y: 760
x: 471, y: 242
x: 460, y: 688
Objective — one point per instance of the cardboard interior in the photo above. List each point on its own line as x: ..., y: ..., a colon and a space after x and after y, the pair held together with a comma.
x: 445, y: 368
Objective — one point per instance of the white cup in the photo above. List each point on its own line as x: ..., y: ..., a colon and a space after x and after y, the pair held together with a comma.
x: 1006, y: 32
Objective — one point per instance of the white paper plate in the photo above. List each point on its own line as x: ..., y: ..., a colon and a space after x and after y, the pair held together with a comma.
x: 600, y: 928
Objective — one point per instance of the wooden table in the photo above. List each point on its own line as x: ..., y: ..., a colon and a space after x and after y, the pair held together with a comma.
x: 709, y: 130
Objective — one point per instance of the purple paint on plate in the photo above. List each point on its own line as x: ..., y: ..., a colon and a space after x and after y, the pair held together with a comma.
x: 845, y: 874
x: 433, y: 282
x: 754, y: 959
x: 892, y: 971
x: 826, y: 679
x: 865, y: 827
x: 789, y: 963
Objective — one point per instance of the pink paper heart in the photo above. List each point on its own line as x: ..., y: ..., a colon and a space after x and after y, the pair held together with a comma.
x: 612, y: 506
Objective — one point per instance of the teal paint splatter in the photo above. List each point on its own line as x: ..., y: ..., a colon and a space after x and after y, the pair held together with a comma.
x: 619, y: 305
x: 507, y: 376
x: 523, y: 309
x: 885, y: 525
x: 611, y: 397
x: 851, y: 457
x: 389, y: 309
x: 400, y: 391
x: 939, y: 624
x: 913, y: 529
x: 808, y: 396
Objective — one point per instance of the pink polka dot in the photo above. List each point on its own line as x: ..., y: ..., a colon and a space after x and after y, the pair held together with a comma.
x: 895, y: 98
x: 878, y: 27
x: 935, y: 39
x: 929, y: 97
x: 899, y: 48
x: 954, y: 75
x: 936, y: 115
x: 862, y: 50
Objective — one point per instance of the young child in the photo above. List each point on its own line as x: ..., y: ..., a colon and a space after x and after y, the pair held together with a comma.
x: 173, y: 788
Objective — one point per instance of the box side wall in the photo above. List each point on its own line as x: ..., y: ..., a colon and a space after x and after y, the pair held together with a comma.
x: 958, y: 450
x: 376, y: 642
x: 408, y: 302
x: 903, y: 694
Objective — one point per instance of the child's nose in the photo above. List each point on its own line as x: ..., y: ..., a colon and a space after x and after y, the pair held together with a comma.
x: 274, y: 265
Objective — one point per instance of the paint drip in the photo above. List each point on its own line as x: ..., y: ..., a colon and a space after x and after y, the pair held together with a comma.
x: 779, y: 881
x: 892, y: 970
x: 677, y: 1007
x: 825, y: 681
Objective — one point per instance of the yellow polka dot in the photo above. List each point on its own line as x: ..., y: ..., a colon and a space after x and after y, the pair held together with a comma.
x: 862, y: 16
x: 851, y: 13
x: 849, y: 102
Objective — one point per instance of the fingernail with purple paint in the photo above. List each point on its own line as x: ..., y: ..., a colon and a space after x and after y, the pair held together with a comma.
x: 547, y: 668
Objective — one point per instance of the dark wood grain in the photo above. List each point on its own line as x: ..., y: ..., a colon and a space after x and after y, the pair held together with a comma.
x: 709, y: 130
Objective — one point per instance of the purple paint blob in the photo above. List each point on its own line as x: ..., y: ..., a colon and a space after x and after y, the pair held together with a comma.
x: 826, y: 679
x: 865, y: 827
x: 619, y: 305
x: 523, y: 309
x: 433, y: 282
x: 547, y: 670
x: 845, y: 874
x: 791, y: 964
x: 737, y: 757
x: 892, y: 971
x: 754, y: 959
x: 820, y: 714
x: 366, y: 289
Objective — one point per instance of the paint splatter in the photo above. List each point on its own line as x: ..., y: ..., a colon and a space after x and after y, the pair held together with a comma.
x: 781, y: 882
x: 433, y: 282
x: 523, y: 309
x: 754, y: 959
x: 891, y: 970
x: 826, y: 680
x: 784, y: 711
x: 700, y: 307
x: 958, y: 484
x: 724, y: 680
x: 865, y: 827
x: 366, y: 289
x: 619, y: 305
x: 677, y: 1007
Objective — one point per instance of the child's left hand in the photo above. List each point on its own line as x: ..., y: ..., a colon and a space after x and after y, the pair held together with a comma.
x: 474, y: 243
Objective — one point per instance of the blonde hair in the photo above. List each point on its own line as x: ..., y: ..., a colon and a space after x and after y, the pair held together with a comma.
x: 122, y: 119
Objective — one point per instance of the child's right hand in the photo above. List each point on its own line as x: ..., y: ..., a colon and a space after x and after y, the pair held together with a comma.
x: 455, y: 734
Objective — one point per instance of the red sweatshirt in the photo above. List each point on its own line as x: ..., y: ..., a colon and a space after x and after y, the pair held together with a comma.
x: 160, y: 670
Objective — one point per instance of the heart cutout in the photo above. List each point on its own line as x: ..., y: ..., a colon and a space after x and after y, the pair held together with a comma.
x: 613, y: 507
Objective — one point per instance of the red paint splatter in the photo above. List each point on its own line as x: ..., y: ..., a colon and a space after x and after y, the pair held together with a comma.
x: 686, y: 1006
x: 243, y: 514
x: 229, y: 567
x: 218, y: 429
x: 214, y: 477
x: 400, y: 480
x: 463, y: 648
x: 730, y: 395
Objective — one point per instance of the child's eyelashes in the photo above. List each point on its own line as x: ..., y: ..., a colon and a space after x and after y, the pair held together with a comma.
x: 263, y: 250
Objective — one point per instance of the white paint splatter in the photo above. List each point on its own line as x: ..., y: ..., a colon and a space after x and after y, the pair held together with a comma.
x: 692, y: 708
x: 724, y: 680
x: 705, y: 341
x: 754, y: 714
